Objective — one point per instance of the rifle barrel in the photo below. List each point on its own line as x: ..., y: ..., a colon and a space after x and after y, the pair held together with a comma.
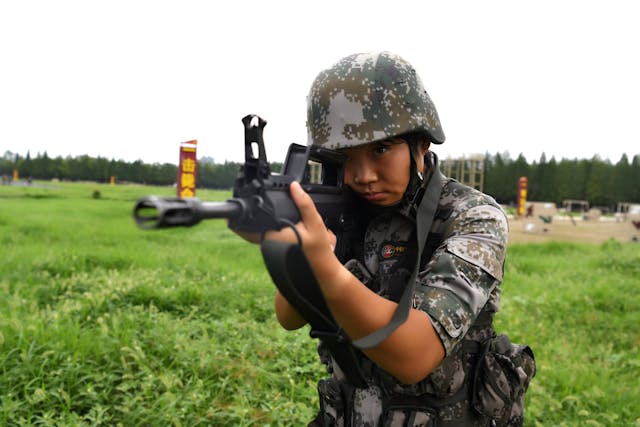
x: 161, y: 212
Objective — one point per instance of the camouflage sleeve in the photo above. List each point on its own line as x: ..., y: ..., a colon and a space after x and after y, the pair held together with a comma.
x: 465, y: 272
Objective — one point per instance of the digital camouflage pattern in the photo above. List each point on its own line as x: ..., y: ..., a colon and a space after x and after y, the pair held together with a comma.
x: 368, y: 97
x: 458, y: 288
x: 502, y: 377
x: 463, y: 276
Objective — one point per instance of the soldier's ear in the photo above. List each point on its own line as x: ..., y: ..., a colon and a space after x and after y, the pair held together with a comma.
x: 424, y: 148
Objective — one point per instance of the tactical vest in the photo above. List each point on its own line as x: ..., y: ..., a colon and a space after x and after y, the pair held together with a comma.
x: 461, y: 390
x: 443, y: 395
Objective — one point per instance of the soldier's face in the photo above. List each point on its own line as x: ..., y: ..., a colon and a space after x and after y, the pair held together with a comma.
x: 378, y: 172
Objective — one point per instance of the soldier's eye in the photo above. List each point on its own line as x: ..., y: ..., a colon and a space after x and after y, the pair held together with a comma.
x: 381, y: 148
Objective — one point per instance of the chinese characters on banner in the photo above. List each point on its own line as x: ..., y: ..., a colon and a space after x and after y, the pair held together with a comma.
x: 187, y: 169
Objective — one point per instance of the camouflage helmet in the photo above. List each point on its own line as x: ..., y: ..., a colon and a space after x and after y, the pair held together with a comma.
x: 368, y: 97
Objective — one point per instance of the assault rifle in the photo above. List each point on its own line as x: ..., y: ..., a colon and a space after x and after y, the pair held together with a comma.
x: 261, y: 198
x: 261, y: 202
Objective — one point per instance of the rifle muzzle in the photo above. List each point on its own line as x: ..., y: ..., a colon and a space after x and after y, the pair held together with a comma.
x: 161, y: 212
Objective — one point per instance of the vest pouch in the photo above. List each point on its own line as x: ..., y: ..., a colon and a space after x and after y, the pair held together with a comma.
x: 502, y: 376
x: 405, y: 416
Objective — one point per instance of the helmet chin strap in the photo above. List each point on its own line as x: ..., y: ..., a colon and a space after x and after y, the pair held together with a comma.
x: 416, y: 177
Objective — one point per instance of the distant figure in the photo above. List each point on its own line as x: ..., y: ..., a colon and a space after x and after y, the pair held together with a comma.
x: 529, y: 211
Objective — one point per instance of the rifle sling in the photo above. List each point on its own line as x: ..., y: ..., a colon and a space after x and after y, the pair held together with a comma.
x: 288, y: 266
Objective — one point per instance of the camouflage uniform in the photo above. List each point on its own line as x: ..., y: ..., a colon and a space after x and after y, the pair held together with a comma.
x: 457, y: 287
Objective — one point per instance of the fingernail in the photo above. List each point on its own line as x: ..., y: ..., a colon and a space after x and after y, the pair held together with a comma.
x: 295, y: 186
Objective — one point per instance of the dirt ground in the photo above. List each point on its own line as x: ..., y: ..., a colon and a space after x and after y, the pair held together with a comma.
x: 562, y: 229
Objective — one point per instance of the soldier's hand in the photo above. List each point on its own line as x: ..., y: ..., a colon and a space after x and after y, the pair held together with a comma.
x: 318, y: 243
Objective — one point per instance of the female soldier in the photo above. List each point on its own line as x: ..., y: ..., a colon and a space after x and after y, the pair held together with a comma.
x: 374, y: 109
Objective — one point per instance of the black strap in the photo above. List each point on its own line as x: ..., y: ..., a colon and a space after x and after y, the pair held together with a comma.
x: 294, y: 277
x: 424, y: 219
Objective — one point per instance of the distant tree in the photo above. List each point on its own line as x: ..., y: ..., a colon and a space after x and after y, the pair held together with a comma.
x: 571, y: 179
x: 6, y: 163
x: 495, y: 180
x: 598, y: 189
x: 8, y: 156
x: 623, y: 185
x: 534, y: 178
x: 635, y: 179
x: 542, y: 180
x: 41, y: 166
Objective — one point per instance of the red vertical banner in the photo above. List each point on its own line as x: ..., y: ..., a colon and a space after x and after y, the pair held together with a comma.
x: 187, y: 169
x: 522, y: 194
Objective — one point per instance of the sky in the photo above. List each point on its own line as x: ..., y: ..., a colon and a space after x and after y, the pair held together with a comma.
x: 131, y: 80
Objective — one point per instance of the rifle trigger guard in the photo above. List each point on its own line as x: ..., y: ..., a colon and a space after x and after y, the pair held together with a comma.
x: 286, y: 223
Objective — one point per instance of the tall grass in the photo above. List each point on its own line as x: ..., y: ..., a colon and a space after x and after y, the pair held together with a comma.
x: 579, y: 308
x: 104, y: 324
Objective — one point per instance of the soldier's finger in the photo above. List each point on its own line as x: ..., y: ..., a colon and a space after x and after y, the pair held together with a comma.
x: 308, y: 211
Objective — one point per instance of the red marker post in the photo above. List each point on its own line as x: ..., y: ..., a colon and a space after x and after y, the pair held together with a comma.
x: 522, y: 195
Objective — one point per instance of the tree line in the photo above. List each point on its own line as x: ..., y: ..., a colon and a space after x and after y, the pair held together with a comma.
x: 101, y: 169
x: 600, y: 182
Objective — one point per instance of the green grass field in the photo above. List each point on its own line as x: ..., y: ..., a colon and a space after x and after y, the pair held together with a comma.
x: 105, y: 324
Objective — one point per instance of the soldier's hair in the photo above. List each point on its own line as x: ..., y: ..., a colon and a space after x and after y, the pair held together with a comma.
x: 415, y: 141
